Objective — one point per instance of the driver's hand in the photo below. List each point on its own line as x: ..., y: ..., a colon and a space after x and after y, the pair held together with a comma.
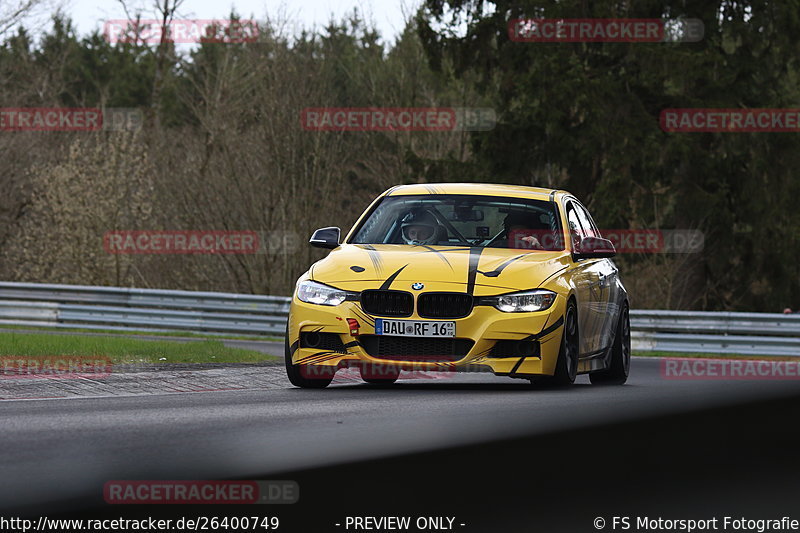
x: 533, y: 242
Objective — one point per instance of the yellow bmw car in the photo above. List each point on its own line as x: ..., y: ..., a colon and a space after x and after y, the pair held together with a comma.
x: 462, y: 278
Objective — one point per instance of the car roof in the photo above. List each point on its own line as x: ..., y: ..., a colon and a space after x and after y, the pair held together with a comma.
x: 483, y: 189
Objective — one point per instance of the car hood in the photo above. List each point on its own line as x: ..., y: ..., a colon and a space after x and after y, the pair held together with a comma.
x: 359, y: 266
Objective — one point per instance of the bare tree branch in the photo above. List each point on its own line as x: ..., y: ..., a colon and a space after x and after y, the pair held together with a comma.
x: 15, y: 12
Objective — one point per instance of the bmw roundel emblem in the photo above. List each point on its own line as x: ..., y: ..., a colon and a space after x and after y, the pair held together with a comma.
x: 417, y: 286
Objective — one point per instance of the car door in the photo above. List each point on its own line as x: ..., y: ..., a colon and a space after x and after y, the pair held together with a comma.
x: 604, y: 276
x: 585, y: 278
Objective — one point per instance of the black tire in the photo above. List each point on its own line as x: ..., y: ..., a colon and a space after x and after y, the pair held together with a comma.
x: 567, y: 363
x: 385, y: 376
x: 295, y: 373
x: 617, y: 372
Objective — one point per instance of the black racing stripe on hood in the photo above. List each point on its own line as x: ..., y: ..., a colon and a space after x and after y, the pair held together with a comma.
x: 388, y: 283
x: 439, y: 254
x: 375, y: 257
x: 472, y: 272
x: 497, y: 271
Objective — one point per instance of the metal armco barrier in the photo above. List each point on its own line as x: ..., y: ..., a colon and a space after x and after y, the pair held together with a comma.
x: 218, y: 313
x: 117, y: 308
x: 716, y: 332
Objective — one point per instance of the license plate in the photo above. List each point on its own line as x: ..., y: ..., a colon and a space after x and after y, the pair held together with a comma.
x: 414, y: 328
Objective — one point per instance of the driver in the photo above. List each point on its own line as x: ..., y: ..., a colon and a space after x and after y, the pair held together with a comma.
x: 421, y: 227
x: 518, y: 221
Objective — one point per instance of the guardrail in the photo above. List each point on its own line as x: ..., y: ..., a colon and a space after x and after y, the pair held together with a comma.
x: 716, y: 332
x: 219, y: 313
x: 127, y: 309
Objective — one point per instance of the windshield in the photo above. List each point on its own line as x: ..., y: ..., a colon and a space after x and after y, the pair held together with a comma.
x: 462, y: 220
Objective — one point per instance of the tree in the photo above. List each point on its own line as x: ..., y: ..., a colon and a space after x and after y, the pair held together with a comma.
x: 584, y: 116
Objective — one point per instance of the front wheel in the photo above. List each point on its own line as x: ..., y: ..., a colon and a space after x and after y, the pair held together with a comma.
x: 618, y: 370
x: 567, y: 363
x: 305, y: 376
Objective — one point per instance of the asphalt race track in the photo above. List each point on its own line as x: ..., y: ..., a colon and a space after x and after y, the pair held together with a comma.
x: 491, y: 451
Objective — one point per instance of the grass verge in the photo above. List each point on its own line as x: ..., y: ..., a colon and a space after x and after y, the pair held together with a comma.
x: 126, y: 350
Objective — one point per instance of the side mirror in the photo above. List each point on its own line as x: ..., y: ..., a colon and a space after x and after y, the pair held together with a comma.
x: 325, y: 238
x: 595, y: 247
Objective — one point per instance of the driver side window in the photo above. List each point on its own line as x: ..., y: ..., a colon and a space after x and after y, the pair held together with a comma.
x: 589, y: 227
x: 576, y: 230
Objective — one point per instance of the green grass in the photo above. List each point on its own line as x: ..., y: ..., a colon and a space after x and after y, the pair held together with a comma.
x: 713, y: 356
x: 130, y: 350
x: 125, y: 350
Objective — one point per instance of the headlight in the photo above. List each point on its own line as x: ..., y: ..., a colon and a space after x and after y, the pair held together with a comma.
x: 522, y: 302
x: 316, y: 293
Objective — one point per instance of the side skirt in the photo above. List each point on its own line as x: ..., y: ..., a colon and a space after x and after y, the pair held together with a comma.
x: 601, y: 359
x: 598, y: 360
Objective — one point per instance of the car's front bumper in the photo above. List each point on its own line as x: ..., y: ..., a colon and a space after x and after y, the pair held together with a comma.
x: 485, y: 327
